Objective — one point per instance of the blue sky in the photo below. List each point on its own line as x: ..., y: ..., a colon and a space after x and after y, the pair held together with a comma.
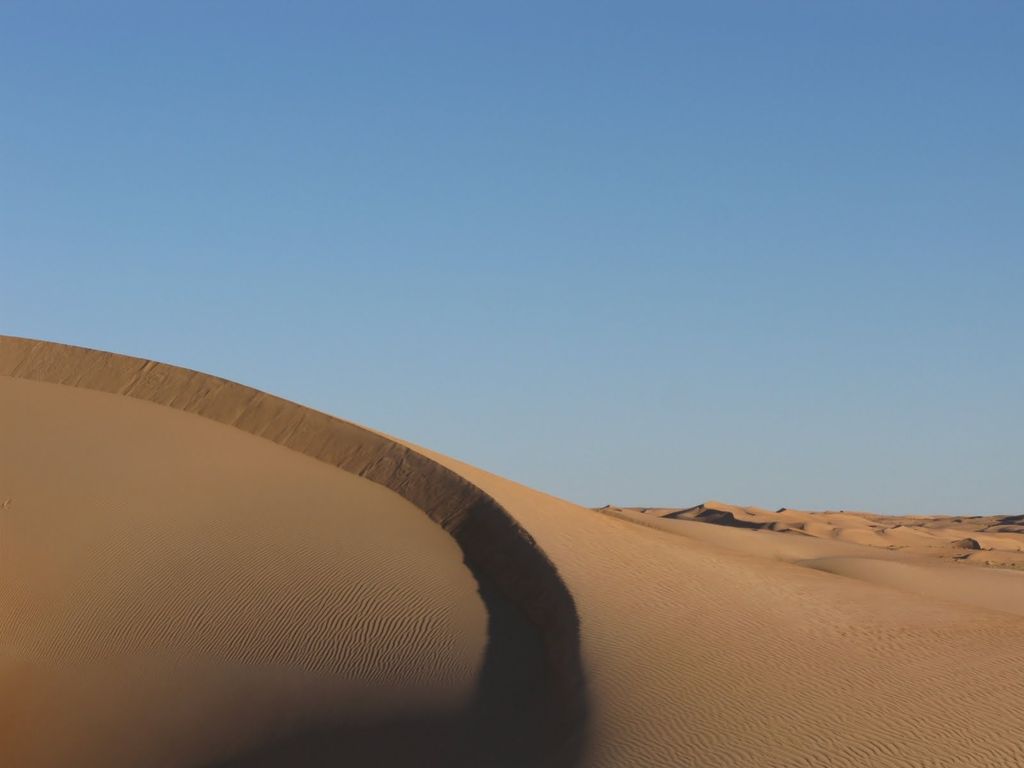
x: 637, y: 253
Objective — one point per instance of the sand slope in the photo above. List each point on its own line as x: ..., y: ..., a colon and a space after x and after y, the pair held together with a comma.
x: 261, y: 601
x: 699, y: 653
x: 142, y: 547
x: 643, y: 639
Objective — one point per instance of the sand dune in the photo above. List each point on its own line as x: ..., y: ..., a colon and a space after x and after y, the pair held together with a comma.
x: 194, y: 573
x: 293, y: 582
x: 995, y: 540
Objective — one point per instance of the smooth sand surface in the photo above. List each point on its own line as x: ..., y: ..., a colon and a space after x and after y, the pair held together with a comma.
x: 197, y: 574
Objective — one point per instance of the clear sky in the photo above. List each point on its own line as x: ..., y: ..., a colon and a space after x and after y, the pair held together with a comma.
x: 631, y: 253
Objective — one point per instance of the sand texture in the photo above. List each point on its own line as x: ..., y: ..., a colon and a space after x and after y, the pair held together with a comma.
x: 194, y: 573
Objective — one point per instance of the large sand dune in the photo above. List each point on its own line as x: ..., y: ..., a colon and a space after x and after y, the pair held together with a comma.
x: 194, y: 573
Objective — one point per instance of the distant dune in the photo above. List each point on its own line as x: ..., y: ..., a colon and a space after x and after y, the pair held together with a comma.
x: 194, y: 573
x: 993, y: 540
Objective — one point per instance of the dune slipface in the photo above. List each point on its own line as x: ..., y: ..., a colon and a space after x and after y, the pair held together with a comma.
x: 195, y: 573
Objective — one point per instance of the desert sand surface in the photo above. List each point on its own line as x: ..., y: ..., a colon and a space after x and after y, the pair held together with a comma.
x: 196, y: 573
x: 993, y: 540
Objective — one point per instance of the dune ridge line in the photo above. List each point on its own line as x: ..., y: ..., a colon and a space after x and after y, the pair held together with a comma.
x: 490, y: 539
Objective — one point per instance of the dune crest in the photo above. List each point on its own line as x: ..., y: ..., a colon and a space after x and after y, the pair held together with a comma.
x: 509, y: 566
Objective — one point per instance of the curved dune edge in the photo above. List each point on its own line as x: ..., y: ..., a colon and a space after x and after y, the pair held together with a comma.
x: 493, y: 543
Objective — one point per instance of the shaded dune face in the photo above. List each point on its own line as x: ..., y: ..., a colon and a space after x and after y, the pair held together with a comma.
x: 175, y: 591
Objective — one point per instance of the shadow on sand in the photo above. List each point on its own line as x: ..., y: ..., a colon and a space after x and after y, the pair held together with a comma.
x: 520, y: 715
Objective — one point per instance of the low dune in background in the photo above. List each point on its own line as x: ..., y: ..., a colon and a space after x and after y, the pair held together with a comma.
x: 197, y: 574
x: 994, y: 540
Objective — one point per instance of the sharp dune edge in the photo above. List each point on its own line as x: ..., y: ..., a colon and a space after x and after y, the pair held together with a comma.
x: 495, y: 547
x: 214, y: 599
